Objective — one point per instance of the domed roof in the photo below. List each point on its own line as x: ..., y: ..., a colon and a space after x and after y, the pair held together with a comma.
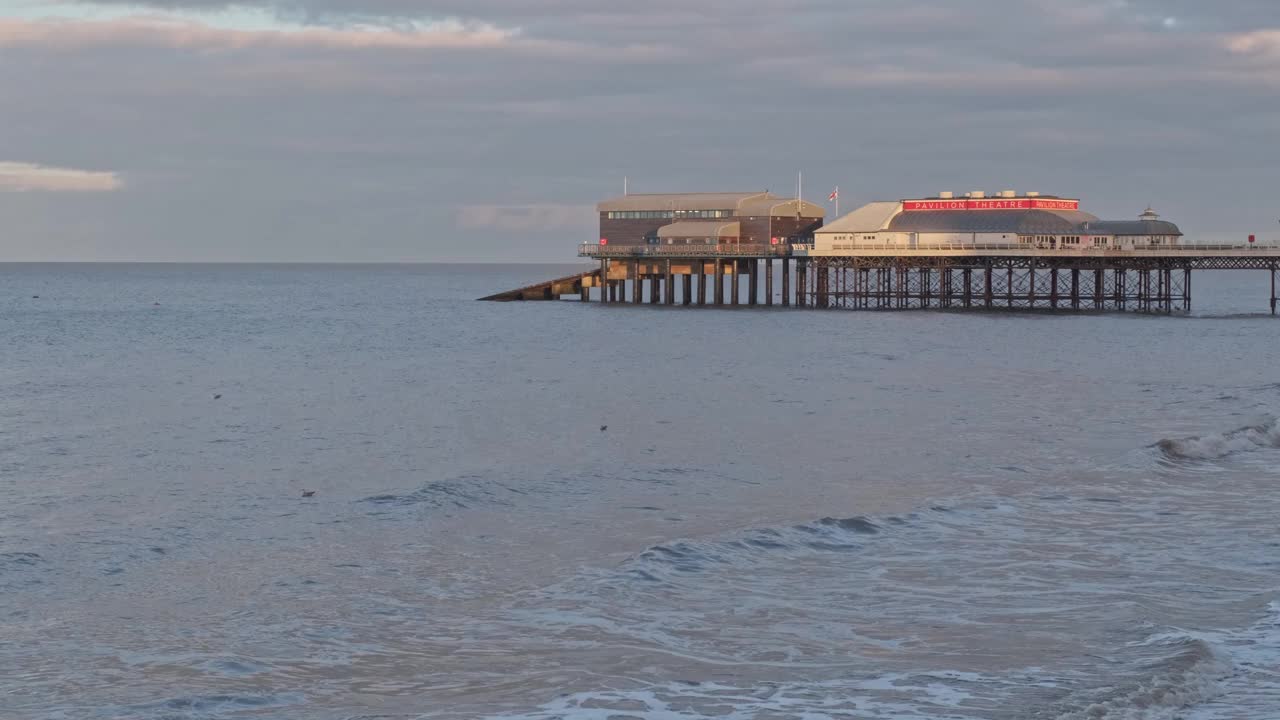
x: 1019, y: 222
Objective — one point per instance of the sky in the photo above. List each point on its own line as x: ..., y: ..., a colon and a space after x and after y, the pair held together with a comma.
x: 486, y: 130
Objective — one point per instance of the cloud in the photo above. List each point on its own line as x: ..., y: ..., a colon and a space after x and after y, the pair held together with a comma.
x: 1258, y: 43
x: 337, y: 129
x: 63, y: 25
x: 25, y: 177
x: 516, y: 218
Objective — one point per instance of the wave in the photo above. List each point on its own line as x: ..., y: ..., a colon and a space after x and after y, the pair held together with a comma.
x: 1265, y: 435
x: 685, y: 557
x: 20, y: 559
x: 469, y: 492
x: 1184, y: 672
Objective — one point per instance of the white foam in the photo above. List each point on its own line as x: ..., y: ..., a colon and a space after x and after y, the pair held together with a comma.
x: 1265, y: 435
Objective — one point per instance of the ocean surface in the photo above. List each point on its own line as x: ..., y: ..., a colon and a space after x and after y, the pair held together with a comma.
x: 790, y: 514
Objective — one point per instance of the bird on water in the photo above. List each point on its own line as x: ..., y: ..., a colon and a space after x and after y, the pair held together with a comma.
x: 308, y: 493
x: 218, y: 396
x: 603, y: 428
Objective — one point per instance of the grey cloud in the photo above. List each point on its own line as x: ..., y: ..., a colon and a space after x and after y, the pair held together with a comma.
x: 279, y: 152
x: 31, y: 177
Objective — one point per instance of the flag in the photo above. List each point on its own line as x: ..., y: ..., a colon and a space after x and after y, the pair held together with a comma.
x: 834, y: 194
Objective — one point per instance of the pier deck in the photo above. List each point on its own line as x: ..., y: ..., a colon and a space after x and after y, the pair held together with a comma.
x: 551, y: 289
x: 1154, y: 279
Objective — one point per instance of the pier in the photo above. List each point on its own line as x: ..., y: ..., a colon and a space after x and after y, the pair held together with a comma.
x: 989, y: 277
x: 1007, y: 251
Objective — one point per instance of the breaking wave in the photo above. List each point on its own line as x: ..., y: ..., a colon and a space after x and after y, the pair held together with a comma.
x: 1265, y: 435
x: 1182, y: 672
x: 671, y: 560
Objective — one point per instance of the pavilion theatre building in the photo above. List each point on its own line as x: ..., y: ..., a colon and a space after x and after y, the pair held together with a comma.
x: 976, y: 219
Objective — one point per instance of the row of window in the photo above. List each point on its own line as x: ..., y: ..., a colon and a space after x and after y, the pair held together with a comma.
x: 668, y: 214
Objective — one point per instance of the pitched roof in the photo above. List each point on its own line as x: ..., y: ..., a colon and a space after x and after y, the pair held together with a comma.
x: 770, y: 205
x: 675, y: 201
x: 741, y: 204
x: 868, y: 218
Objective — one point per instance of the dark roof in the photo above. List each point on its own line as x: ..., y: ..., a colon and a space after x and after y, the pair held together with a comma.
x: 1132, y: 227
x: 741, y: 204
x: 677, y: 201
x: 1021, y: 222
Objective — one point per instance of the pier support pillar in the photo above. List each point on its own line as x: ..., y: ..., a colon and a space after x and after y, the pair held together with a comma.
x: 802, y: 288
x: 1053, y: 288
x: 753, y: 284
x: 637, y: 284
x: 1097, y: 289
x: 988, y: 296
x: 1273, y: 289
x: 702, y: 282
x: 719, y: 282
x: 655, y: 289
x: 1075, y: 289
x: 686, y: 297
x: 786, y: 282
x: 670, y: 296
x: 737, y: 270
x: 821, y: 281
x: 768, y: 281
x: 1186, y: 290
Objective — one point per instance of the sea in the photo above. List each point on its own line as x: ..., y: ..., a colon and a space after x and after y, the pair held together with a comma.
x: 348, y: 492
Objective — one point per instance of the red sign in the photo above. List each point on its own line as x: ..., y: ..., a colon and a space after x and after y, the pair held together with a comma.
x: 773, y: 241
x: 1252, y: 238
x: 604, y: 241
x: 990, y: 204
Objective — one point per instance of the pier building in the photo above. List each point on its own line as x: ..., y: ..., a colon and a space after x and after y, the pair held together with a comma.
x: 747, y: 218
x: 1002, y: 251
x: 1031, y: 220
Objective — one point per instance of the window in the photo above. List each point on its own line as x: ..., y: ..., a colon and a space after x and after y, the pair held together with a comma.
x: 668, y: 214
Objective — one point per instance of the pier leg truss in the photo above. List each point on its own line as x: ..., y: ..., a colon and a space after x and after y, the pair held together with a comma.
x: 1155, y: 285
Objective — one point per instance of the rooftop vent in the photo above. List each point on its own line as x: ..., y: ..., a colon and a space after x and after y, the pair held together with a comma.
x: 1008, y: 193
x: 1033, y: 194
x: 978, y: 194
x: 946, y: 194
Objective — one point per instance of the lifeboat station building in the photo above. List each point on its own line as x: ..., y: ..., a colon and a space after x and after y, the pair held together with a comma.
x: 749, y: 218
x: 1006, y: 219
